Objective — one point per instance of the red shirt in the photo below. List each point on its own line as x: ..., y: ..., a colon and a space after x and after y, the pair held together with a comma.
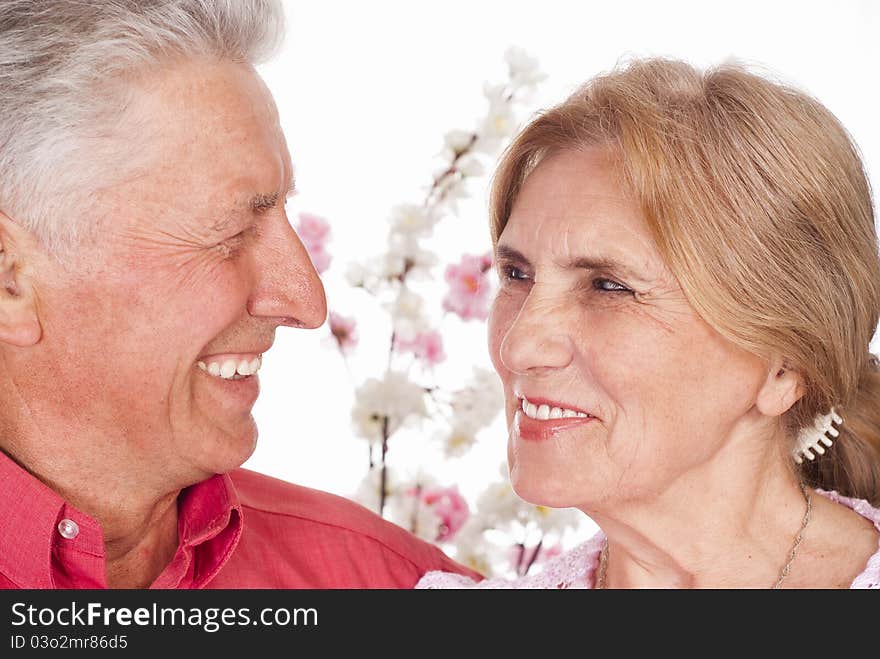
x: 237, y: 530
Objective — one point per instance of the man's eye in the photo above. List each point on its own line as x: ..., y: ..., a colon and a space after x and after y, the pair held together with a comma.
x: 231, y: 246
x: 609, y: 286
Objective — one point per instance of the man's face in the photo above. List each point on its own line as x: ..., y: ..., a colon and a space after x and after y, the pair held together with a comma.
x: 195, y: 267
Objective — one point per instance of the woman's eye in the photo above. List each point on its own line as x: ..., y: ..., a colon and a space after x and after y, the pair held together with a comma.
x: 512, y: 273
x: 610, y: 286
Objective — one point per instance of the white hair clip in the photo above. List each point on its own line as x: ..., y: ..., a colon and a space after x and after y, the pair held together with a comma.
x: 812, y: 437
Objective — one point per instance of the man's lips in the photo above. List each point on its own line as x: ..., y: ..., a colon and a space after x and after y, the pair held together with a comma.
x: 231, y: 366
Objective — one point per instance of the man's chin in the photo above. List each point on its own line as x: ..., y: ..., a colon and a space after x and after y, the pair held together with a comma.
x: 229, y: 446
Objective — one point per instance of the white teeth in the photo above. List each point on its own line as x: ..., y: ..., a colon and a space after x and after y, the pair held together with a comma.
x: 227, y: 369
x: 230, y: 369
x: 544, y: 412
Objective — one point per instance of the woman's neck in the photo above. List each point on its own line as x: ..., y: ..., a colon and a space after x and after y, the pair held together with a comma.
x: 703, y: 531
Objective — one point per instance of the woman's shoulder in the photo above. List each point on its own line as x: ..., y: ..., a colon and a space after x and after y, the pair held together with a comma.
x: 572, y: 569
x: 870, y: 576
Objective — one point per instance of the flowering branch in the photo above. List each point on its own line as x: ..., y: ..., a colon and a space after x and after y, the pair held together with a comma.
x: 405, y: 396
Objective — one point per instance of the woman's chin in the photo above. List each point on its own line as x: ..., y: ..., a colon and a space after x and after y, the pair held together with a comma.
x: 541, y: 490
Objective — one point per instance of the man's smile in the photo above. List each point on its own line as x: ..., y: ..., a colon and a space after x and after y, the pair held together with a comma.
x: 231, y: 366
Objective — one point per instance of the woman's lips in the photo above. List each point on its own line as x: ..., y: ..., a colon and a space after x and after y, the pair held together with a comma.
x: 540, y: 419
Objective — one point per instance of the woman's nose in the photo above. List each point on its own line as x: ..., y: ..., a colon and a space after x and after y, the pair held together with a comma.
x: 538, y: 338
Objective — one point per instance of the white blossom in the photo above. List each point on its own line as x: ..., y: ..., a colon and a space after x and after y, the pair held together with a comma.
x: 408, y: 316
x: 523, y: 68
x: 555, y: 520
x: 470, y: 165
x: 497, y: 95
x: 475, y: 549
x: 409, y: 255
x: 451, y: 190
x: 367, y: 492
x: 395, y: 397
x: 412, y: 220
x: 473, y: 407
x: 357, y: 274
x: 391, y: 265
x: 459, y: 441
x: 458, y: 141
x: 477, y: 404
x: 499, y: 507
x: 500, y: 123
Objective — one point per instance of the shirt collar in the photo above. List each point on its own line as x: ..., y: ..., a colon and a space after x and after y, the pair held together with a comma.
x: 36, y: 554
x: 210, y: 525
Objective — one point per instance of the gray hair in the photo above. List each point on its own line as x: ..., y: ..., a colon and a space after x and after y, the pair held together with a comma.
x: 63, y: 71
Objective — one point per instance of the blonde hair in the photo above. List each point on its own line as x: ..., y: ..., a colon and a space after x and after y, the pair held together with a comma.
x: 759, y: 203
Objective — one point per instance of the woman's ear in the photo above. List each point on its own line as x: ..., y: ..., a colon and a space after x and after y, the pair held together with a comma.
x: 782, y: 388
x: 19, y: 322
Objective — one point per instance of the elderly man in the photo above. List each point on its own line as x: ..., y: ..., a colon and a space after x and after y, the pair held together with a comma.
x: 146, y: 263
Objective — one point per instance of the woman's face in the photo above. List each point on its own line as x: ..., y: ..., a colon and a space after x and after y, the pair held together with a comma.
x: 589, y: 320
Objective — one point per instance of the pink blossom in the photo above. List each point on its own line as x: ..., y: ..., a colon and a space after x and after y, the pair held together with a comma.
x: 314, y: 231
x: 320, y: 257
x: 468, y: 295
x: 312, y: 228
x: 427, y: 346
x: 448, y: 504
x: 344, y: 331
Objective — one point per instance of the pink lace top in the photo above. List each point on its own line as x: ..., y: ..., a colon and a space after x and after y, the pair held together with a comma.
x: 577, y: 567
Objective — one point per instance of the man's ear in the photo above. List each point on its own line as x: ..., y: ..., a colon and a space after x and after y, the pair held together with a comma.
x: 19, y: 322
x: 782, y: 388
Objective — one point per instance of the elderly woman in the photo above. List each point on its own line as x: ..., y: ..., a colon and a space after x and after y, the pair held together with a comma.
x: 689, y: 285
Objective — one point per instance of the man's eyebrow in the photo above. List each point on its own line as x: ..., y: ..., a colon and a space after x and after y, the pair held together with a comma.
x: 268, y: 200
x: 258, y: 203
x: 263, y: 202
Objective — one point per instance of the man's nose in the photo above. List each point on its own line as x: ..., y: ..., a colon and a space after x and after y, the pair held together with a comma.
x: 287, y: 286
x: 537, y: 340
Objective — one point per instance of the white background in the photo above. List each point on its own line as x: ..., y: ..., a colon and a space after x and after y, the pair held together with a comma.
x: 366, y: 91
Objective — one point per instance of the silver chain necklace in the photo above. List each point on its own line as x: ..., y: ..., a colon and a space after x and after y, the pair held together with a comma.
x: 783, y: 573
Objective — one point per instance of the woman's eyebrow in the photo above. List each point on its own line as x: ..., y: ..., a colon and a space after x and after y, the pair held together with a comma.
x: 606, y: 264
x: 506, y: 253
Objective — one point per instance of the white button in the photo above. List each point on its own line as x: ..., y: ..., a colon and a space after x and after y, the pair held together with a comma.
x: 68, y: 529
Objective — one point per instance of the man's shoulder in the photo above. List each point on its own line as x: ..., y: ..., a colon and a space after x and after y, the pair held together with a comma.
x: 273, y: 496
x: 330, y: 515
